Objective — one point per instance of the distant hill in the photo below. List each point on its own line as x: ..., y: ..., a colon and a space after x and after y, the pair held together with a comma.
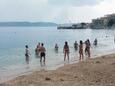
x: 34, y: 24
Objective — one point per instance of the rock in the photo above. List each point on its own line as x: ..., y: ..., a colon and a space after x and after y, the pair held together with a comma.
x: 113, y: 63
x: 98, y: 81
x: 103, y: 57
x: 61, y: 80
x: 47, y: 78
x: 97, y: 62
x: 75, y: 77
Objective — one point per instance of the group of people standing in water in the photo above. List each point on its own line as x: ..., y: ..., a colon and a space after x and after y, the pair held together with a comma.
x: 77, y: 46
x: 41, y: 51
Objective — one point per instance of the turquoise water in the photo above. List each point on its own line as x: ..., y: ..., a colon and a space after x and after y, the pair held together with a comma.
x: 14, y: 39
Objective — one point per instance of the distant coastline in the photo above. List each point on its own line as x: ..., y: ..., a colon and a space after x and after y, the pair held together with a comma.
x: 105, y: 22
x: 27, y: 24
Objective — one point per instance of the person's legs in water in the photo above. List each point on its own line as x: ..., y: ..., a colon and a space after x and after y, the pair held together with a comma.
x: 27, y: 59
x: 89, y: 53
x: 68, y: 55
x: 44, y: 57
x: 82, y: 56
x: 64, y: 56
x: 41, y: 57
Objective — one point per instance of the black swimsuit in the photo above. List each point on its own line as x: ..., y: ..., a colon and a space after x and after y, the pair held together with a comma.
x: 42, y: 54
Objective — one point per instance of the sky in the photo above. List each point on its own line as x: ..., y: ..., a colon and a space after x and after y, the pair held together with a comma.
x: 58, y: 11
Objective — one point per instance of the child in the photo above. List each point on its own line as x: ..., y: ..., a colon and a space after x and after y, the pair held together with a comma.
x: 56, y: 47
x: 95, y: 42
x: 27, y: 53
x: 75, y: 45
x: 37, y: 50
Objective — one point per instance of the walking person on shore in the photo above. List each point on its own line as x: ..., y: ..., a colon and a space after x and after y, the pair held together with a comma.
x: 27, y: 54
x: 42, y: 53
x: 87, y: 47
x: 81, y: 57
x: 66, y: 51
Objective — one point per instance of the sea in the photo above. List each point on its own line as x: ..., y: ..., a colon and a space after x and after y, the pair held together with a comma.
x: 14, y: 39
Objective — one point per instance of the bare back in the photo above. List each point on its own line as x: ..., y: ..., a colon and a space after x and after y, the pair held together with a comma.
x: 42, y: 49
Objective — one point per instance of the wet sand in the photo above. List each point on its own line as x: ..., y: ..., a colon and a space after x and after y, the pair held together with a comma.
x: 91, y: 72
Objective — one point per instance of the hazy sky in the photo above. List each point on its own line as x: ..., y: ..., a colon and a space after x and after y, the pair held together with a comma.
x: 59, y: 11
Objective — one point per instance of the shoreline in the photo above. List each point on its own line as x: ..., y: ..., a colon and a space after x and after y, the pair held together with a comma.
x: 59, y: 65
x: 61, y: 72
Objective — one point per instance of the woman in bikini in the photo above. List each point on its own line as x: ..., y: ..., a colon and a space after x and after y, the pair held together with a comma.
x: 81, y: 50
x: 66, y: 51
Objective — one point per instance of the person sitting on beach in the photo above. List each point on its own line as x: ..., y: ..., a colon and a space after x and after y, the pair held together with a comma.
x: 37, y: 50
x: 42, y: 52
x: 27, y: 53
x: 95, y: 42
x: 81, y: 50
x: 75, y: 45
x: 87, y: 47
x: 56, y: 47
x: 66, y: 50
